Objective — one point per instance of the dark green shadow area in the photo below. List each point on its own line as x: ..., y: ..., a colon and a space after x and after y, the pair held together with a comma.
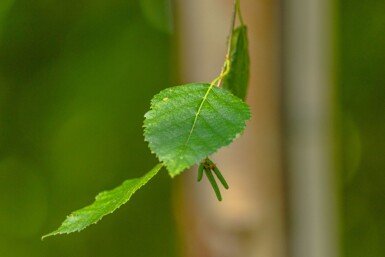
x: 361, y: 47
x: 76, y: 78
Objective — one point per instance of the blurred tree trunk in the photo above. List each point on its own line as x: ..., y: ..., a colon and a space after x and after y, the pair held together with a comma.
x: 308, y: 110
x: 250, y: 219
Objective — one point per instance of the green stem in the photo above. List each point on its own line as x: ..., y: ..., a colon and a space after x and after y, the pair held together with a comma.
x: 224, y: 72
x: 226, y: 65
x: 232, y: 26
x: 239, y: 12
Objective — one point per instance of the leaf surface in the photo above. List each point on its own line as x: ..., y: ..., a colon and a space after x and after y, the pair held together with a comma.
x: 190, y: 122
x: 105, y: 203
x: 237, y: 79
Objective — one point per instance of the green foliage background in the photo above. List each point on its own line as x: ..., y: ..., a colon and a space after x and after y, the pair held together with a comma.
x: 76, y: 78
x: 361, y: 77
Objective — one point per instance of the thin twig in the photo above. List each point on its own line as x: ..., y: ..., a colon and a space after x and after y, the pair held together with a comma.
x: 229, y: 40
x: 231, y: 28
x: 239, y: 13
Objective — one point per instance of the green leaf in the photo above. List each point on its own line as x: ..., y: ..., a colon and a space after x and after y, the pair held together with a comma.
x: 105, y: 203
x: 190, y: 122
x: 238, y: 77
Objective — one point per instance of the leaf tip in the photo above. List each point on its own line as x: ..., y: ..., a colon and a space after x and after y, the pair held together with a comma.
x: 48, y: 235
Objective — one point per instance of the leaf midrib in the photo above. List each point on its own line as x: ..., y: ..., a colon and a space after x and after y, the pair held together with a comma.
x: 197, y: 115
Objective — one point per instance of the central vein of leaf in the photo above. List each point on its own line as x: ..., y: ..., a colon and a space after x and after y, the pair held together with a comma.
x: 221, y: 76
x: 198, y: 113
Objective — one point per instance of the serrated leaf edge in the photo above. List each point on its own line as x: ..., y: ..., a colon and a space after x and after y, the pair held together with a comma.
x: 147, y: 177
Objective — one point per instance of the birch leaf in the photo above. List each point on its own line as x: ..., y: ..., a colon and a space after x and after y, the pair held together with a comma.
x: 190, y: 122
x: 105, y: 203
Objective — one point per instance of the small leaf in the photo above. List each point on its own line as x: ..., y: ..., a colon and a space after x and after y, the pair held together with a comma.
x: 238, y: 77
x: 189, y: 122
x: 105, y: 203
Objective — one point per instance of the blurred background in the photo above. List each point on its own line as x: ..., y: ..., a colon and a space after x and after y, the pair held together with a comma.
x: 306, y: 178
